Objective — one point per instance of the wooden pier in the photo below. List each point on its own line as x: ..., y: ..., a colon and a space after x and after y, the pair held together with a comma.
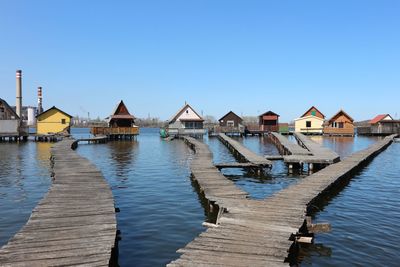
x: 212, y: 183
x: 243, y: 153
x: 93, y: 140
x: 262, y: 232
x: 74, y: 224
x: 13, y: 138
x: 305, y: 152
x: 285, y: 147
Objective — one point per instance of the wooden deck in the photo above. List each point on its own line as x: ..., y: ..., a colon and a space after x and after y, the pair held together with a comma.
x: 212, y: 183
x: 285, y: 147
x: 260, y: 232
x: 74, y: 224
x: 305, y: 151
x: 320, y: 154
x: 95, y: 140
x: 244, y: 153
x: 240, y: 165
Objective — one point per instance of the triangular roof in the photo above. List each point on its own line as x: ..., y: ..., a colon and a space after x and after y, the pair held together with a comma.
x: 53, y: 107
x: 269, y: 113
x: 341, y: 112
x: 313, y: 107
x: 121, y: 112
x: 230, y: 112
x: 309, y: 116
x: 179, y: 113
x: 9, y: 108
x: 379, y: 118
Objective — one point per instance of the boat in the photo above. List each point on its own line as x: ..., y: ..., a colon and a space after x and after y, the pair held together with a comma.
x: 163, y: 133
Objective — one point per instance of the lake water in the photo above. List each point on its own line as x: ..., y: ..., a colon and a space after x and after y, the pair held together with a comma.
x: 161, y: 211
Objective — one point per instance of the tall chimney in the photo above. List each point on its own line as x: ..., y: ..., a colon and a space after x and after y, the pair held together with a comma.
x: 40, y: 107
x: 18, y: 106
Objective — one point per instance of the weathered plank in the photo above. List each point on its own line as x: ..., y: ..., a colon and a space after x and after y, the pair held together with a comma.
x: 73, y: 224
x: 257, y: 232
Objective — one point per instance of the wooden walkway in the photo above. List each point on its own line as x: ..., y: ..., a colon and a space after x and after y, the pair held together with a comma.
x: 74, y: 224
x: 212, y: 183
x: 285, y: 147
x: 308, y: 152
x: 320, y: 154
x: 244, y: 153
x: 96, y: 140
x: 262, y: 232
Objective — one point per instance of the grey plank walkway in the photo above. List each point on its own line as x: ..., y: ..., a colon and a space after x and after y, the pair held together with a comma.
x: 74, y: 224
x: 307, y: 152
x: 212, y: 183
x: 320, y: 154
x: 286, y: 147
x: 241, y: 165
x: 244, y: 153
x: 257, y: 232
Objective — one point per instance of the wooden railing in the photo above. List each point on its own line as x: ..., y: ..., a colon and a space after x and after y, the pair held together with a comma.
x: 114, y: 131
x: 339, y: 131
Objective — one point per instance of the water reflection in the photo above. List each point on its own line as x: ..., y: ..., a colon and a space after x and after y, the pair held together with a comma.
x: 24, y: 179
x: 345, y: 145
x: 160, y: 209
x: 258, y: 187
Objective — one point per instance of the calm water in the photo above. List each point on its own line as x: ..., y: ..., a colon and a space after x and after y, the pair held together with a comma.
x: 161, y: 211
x: 257, y: 187
x: 24, y: 179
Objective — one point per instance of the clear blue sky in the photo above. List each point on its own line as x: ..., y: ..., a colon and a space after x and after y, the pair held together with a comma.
x: 245, y: 56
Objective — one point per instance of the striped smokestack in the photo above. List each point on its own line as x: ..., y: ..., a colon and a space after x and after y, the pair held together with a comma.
x: 40, y: 106
x: 18, y: 106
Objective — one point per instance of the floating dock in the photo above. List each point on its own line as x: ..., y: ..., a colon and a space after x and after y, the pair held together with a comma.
x: 263, y: 232
x: 243, y: 153
x: 74, y: 224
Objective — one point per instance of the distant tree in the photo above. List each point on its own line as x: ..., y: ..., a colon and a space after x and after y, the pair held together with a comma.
x: 209, y: 119
x: 250, y: 120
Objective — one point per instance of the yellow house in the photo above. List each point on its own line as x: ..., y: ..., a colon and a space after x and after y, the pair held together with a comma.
x: 311, y: 122
x: 53, y: 121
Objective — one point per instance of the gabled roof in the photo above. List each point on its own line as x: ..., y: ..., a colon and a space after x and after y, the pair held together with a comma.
x: 121, y: 112
x: 269, y: 113
x: 230, y: 112
x: 341, y: 112
x: 309, y: 117
x: 53, y: 107
x: 313, y: 107
x: 185, y: 107
x: 9, y: 108
x: 379, y: 118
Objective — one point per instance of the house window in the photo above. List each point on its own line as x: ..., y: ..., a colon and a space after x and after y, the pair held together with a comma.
x: 62, y: 121
x: 314, y: 113
x: 230, y: 123
x: 187, y: 111
x: 1, y: 109
x: 308, y: 124
x: 341, y: 125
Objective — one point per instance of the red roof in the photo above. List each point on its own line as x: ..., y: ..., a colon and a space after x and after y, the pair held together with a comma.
x: 379, y: 118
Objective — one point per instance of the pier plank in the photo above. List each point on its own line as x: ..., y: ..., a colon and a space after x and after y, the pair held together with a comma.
x: 257, y: 232
x: 74, y: 224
